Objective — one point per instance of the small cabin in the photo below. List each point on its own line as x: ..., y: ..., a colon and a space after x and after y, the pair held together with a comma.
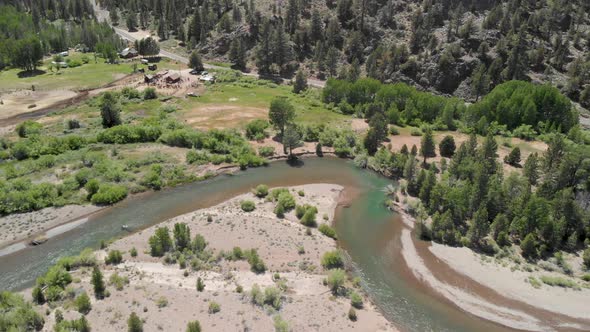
x: 128, y: 53
x: 173, y: 78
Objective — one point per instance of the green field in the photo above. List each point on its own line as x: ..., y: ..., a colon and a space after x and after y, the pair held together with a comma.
x: 94, y: 74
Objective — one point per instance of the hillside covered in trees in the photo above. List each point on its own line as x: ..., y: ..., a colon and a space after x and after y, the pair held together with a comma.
x: 32, y: 29
x: 458, y: 47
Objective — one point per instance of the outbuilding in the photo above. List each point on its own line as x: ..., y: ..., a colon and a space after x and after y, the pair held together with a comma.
x: 128, y: 53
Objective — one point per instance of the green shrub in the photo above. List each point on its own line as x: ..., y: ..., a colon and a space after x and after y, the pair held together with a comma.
x: 308, y: 218
x: 109, y: 194
x: 200, y: 284
x: 327, y: 231
x: 256, y: 129
x: 134, y: 323
x: 559, y: 281
x: 261, y: 191
x: 78, y: 325
x: 352, y: 314
x: 272, y: 297
x: 281, y: 325
x: 17, y: 314
x: 286, y: 200
x: 356, y: 300
x: 214, y: 307
x: 28, y: 128
x: 193, y: 326
x: 198, y: 157
x: 256, y: 295
x: 256, y: 263
x: 332, y: 260
x: 114, y: 257
x: 126, y: 134
x: 336, y: 279
x: 160, y: 242
x: 266, y: 151
x: 415, y: 132
x: 247, y: 206
x: 149, y: 93
x: 393, y: 131
x: 72, y: 124
x: 130, y: 93
x: 117, y: 281
x: 82, y: 303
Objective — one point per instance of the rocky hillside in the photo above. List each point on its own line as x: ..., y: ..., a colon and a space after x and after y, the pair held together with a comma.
x: 455, y: 47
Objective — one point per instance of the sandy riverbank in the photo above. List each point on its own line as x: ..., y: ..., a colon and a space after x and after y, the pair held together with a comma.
x: 504, y: 282
x: 22, y: 226
x: 307, y: 305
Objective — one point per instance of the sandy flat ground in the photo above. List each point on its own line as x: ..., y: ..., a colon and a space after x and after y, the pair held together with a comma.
x: 308, y: 305
x: 17, y: 227
x: 509, y: 283
x: 569, y: 302
x: 19, y: 102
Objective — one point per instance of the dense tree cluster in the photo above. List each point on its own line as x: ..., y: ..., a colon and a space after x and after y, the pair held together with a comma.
x: 513, y: 108
x: 31, y: 29
x: 473, y: 203
x: 483, y: 44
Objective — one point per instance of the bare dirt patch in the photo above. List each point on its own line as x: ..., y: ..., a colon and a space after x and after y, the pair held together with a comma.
x: 223, y: 116
x: 19, y: 102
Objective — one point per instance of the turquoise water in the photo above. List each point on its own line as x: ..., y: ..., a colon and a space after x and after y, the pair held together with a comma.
x: 366, y: 229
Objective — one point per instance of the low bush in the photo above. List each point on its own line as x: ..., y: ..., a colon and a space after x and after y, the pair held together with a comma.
x: 149, y: 93
x: 356, y: 300
x: 266, y: 151
x: 109, y: 194
x: 82, y: 303
x: 559, y: 281
x: 28, y: 128
x: 332, y: 260
x: 261, y: 191
x: 214, y: 307
x: 117, y: 281
x: 114, y: 257
x: 327, y: 231
x: 247, y: 206
x: 256, y: 129
x: 256, y: 263
x: 336, y: 279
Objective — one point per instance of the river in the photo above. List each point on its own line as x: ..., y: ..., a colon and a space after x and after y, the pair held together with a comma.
x: 366, y: 229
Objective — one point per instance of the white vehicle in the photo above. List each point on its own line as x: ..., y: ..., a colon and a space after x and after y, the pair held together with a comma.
x: 64, y: 53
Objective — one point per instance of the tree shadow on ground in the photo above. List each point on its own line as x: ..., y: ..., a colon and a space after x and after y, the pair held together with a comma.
x: 30, y: 73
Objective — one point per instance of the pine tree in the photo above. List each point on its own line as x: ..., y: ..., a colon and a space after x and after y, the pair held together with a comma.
x: 513, y: 158
x: 427, y: 147
x: 265, y: 47
x: 479, y: 226
x: 291, y: 139
x: 531, y: 168
x: 131, y: 21
x: 300, y: 82
x: 195, y: 61
x: 292, y: 17
x: 195, y: 28
x: 332, y: 61
x: 317, y: 29
x: 237, y: 54
x: 283, y: 53
x: 98, y: 283
x: 110, y: 110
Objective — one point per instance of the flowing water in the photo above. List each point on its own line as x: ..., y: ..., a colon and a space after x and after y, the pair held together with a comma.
x: 366, y: 229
